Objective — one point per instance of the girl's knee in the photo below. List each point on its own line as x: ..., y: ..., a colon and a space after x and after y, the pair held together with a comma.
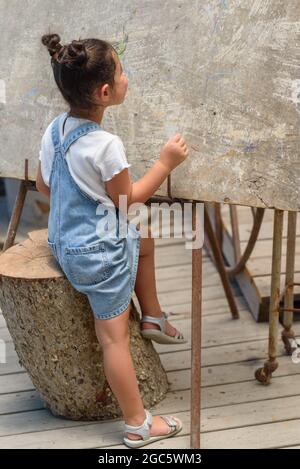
x: 113, y: 331
x: 107, y: 341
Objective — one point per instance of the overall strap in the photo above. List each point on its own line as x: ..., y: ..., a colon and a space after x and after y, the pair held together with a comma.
x: 73, y: 135
x: 55, y: 131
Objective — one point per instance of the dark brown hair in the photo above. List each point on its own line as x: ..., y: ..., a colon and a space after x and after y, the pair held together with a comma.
x: 79, y: 67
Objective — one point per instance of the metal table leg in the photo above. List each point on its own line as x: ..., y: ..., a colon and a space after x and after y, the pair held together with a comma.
x: 196, y: 341
x: 288, y: 336
x: 264, y: 374
x: 217, y: 253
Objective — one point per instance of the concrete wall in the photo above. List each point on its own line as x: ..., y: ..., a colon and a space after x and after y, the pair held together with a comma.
x: 224, y: 73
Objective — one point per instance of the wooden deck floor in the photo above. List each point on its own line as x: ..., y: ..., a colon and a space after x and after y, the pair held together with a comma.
x: 237, y: 412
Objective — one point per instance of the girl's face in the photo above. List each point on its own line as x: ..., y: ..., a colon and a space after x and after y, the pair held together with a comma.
x: 109, y: 96
x: 121, y: 83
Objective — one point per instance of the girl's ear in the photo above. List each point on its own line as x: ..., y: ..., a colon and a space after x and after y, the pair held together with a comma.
x: 105, y: 89
x: 102, y: 92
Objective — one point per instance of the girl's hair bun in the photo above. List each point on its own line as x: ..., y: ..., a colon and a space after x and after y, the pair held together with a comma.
x: 76, y: 54
x: 79, y: 67
x: 52, y: 42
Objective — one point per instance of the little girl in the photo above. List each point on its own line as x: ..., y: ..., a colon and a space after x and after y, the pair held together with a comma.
x: 83, y: 169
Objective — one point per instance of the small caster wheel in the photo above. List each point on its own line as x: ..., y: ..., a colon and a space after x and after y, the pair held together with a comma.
x: 262, y: 376
x: 290, y: 344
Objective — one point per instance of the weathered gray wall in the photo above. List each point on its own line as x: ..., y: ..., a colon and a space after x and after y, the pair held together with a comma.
x: 224, y: 73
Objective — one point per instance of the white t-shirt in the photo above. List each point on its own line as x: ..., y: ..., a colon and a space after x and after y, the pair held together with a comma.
x: 92, y: 159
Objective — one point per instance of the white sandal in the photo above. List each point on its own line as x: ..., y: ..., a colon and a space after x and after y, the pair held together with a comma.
x: 144, y: 430
x: 160, y: 336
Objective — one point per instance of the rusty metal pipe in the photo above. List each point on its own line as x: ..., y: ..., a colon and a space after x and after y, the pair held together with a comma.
x: 235, y: 232
x: 196, y: 341
x: 259, y: 215
x: 289, y: 272
x: 220, y: 264
x: 275, y: 284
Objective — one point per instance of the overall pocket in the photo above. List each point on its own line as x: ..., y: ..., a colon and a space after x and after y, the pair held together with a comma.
x: 86, y: 265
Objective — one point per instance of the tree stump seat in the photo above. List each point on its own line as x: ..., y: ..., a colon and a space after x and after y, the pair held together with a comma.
x: 52, y: 328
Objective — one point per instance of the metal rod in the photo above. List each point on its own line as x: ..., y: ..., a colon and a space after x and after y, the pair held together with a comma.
x: 259, y: 215
x: 25, y: 185
x: 15, y: 216
x: 218, y: 224
x: 235, y: 232
x: 264, y: 374
x: 220, y: 264
x: 290, y: 268
x: 275, y: 285
x: 196, y: 341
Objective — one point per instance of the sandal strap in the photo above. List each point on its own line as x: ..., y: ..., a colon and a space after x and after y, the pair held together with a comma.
x: 159, y: 321
x: 170, y: 421
x: 141, y: 430
x: 178, y: 335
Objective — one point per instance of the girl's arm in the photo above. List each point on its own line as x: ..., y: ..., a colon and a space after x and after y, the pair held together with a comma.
x: 139, y: 191
x: 172, y: 154
x: 40, y: 185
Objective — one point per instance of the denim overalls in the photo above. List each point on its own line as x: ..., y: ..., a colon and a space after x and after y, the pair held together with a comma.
x: 96, y: 261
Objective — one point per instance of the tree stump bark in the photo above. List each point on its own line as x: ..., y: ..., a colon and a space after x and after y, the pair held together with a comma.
x: 52, y: 327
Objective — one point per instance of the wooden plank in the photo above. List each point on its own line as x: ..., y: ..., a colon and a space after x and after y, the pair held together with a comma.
x: 255, y: 437
x: 263, y: 248
x: 261, y: 267
x: 217, y: 395
x: 11, y: 366
x: 12, y: 362
x: 15, y: 382
x: 254, y: 413
x: 35, y: 421
x: 213, y: 419
x: 211, y: 307
x: 245, y: 216
x: 263, y: 284
x: 83, y: 436
x: 212, y: 375
x: 20, y: 402
x: 184, y: 296
x: 231, y: 373
x: 222, y: 377
x: 171, y: 285
x: 243, y: 353
x: 266, y: 230
x: 221, y: 329
x: 177, y: 257
x: 108, y: 434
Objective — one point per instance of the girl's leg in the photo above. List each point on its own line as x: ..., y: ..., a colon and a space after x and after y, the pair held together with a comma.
x: 145, y: 286
x: 113, y: 336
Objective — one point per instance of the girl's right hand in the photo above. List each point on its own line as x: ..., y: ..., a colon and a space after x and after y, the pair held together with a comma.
x: 174, y: 152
